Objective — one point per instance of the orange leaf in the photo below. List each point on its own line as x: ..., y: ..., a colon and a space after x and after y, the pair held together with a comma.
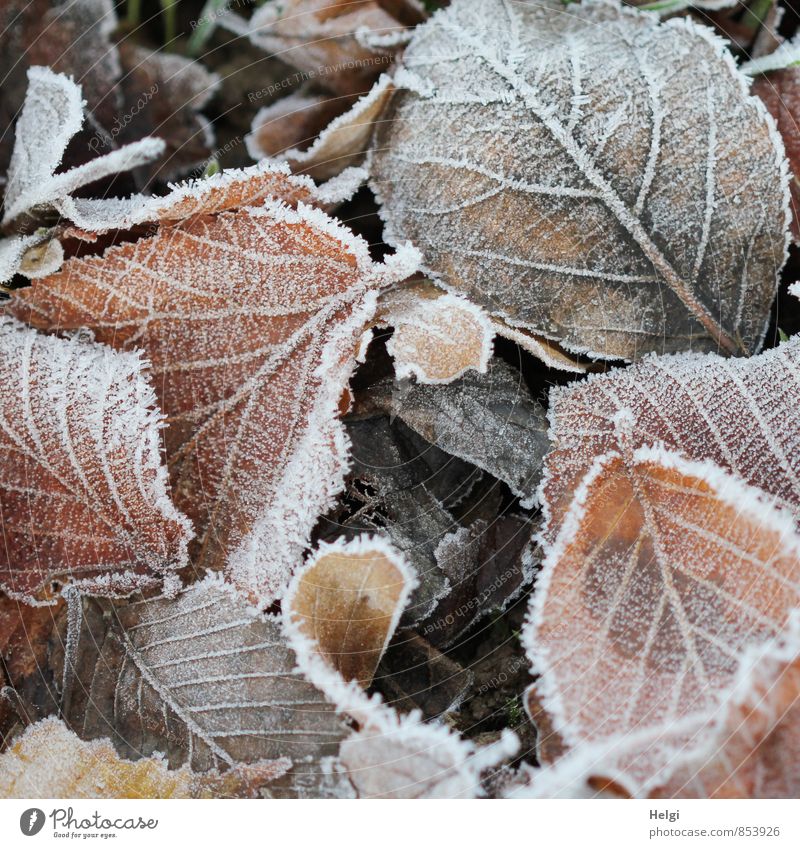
x: 664, y: 573
x: 82, y: 489
x: 250, y: 320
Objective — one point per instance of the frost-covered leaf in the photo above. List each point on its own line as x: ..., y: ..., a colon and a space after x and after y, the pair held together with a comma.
x: 786, y: 56
x: 780, y: 92
x: 167, y: 92
x: 665, y: 574
x: 342, y: 144
x: 32, y: 255
x: 349, y: 602
x: 739, y: 413
x: 250, y: 320
x: 83, y: 493
x: 328, y: 40
x: 578, y: 171
x: 221, y: 192
x: 293, y: 122
x: 549, y: 352
x: 487, y: 565
x: 51, y: 115
x: 71, y: 37
x: 750, y: 749
x: 389, y: 756
x: 201, y: 677
x: 437, y: 337
x: 489, y: 420
x: 51, y: 761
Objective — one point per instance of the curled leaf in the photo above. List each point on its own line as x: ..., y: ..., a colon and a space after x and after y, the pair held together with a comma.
x: 437, y: 337
x: 348, y: 602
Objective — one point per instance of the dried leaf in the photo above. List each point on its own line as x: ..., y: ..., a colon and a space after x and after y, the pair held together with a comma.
x: 437, y: 337
x: 344, y: 141
x: 489, y: 420
x: 751, y: 749
x: 250, y: 320
x: 349, y: 601
x: 292, y: 123
x: 390, y: 756
x: 53, y: 110
x: 72, y: 38
x: 83, y: 493
x: 664, y: 574
x: 52, y: 762
x: 705, y: 407
x: 167, y: 92
x: 578, y: 172
x: 201, y: 678
x: 780, y: 92
x: 325, y: 40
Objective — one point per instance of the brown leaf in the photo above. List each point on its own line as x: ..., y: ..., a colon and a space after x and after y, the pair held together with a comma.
x: 83, y: 493
x: 664, y: 574
x: 250, y: 320
x: 522, y: 175
x: 727, y: 411
x: 349, y: 601
x: 343, y: 142
x: 52, y: 762
x: 201, y: 678
x: 751, y: 749
x: 437, y: 337
x: 323, y: 40
x: 780, y: 91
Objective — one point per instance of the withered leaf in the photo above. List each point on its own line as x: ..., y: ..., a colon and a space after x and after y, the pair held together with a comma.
x: 751, y: 749
x: 349, y: 601
x: 83, y: 494
x: 665, y: 573
x: 325, y: 40
x: 51, y: 761
x: 780, y: 91
x: 51, y: 115
x: 250, y: 320
x: 389, y: 756
x: 725, y: 410
x: 437, y: 337
x: 200, y: 677
x: 344, y: 141
x: 489, y: 420
x: 579, y: 172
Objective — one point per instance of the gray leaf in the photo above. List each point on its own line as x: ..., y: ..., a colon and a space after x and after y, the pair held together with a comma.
x: 589, y: 174
x: 200, y: 677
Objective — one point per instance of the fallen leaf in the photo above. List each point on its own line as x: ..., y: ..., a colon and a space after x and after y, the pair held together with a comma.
x: 751, y: 748
x: 49, y: 760
x: 389, y: 756
x: 167, y: 93
x: 724, y: 410
x: 665, y: 573
x: 327, y: 41
x: 437, y: 337
x: 489, y: 420
x: 779, y: 91
x: 83, y: 494
x: 202, y: 678
x: 584, y: 182
x: 349, y: 601
x: 292, y: 123
x: 344, y: 141
x: 250, y: 320
x: 53, y: 111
